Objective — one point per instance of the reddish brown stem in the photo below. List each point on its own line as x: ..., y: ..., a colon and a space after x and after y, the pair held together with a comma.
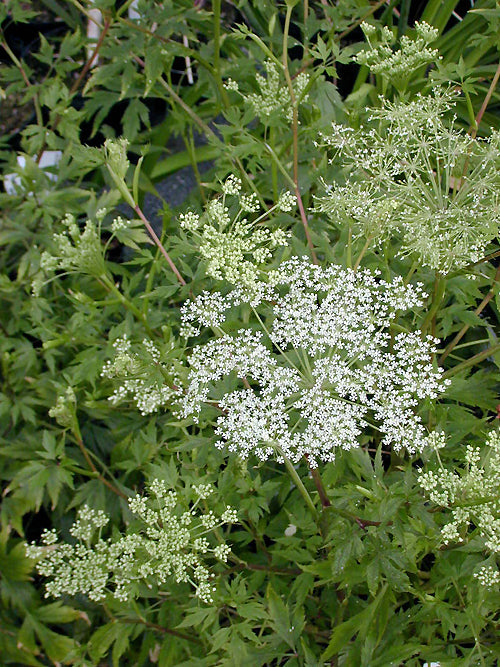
x: 295, y: 133
x: 363, y: 523
x: 487, y: 99
x: 466, y: 327
x: 80, y: 78
x: 354, y: 25
x: 92, y: 58
x: 318, y: 483
x: 263, y: 568
x: 480, y: 261
x: 155, y: 238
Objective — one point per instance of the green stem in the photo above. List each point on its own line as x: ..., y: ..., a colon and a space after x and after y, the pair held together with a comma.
x: 222, y: 91
x: 439, y: 289
x: 470, y: 109
x: 189, y: 143
x: 476, y: 359
x: 280, y: 165
x: 19, y: 65
x: 410, y: 273
x: 109, y: 284
x: 349, y: 249
x: 274, y: 170
x: 362, y: 253
x: 298, y: 483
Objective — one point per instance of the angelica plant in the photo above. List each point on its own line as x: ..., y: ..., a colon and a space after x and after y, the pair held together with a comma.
x: 473, y: 496
x: 321, y: 370
x: 234, y: 246
x: 414, y: 176
x: 168, y: 539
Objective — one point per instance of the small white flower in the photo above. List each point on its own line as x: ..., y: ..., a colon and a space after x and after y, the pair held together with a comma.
x: 249, y: 203
x: 290, y: 530
x: 222, y: 552
x: 189, y: 221
x: 229, y: 84
x: 171, y: 542
x: 232, y: 185
x: 287, y: 201
x: 354, y: 372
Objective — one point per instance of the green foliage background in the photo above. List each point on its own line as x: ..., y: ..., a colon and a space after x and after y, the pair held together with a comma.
x: 371, y: 583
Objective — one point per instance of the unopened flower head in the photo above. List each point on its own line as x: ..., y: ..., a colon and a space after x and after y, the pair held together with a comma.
x: 169, y: 539
x: 115, y: 151
x: 335, y: 376
x: 118, y: 224
x: 64, y: 409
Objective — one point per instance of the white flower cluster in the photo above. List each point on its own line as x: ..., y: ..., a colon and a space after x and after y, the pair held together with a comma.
x: 273, y: 99
x: 132, y: 369
x: 119, y: 224
x: 473, y: 496
x: 75, y: 250
x: 232, y: 245
x: 167, y: 540
x: 381, y: 58
x: 337, y: 373
x: 416, y: 176
x: 287, y: 201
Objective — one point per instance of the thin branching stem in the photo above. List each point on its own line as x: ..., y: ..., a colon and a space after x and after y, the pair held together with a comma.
x: 476, y: 359
x: 19, y: 65
x: 486, y: 101
x: 160, y: 628
x: 159, y: 244
x: 295, y: 132
x: 449, y: 348
x: 81, y: 446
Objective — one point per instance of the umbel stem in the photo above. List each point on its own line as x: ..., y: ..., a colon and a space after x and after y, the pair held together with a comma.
x: 298, y: 482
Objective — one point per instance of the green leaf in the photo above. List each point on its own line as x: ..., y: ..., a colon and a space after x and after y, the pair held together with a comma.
x: 104, y: 637
x: 57, y: 612
x: 280, y: 617
x: 344, y: 632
